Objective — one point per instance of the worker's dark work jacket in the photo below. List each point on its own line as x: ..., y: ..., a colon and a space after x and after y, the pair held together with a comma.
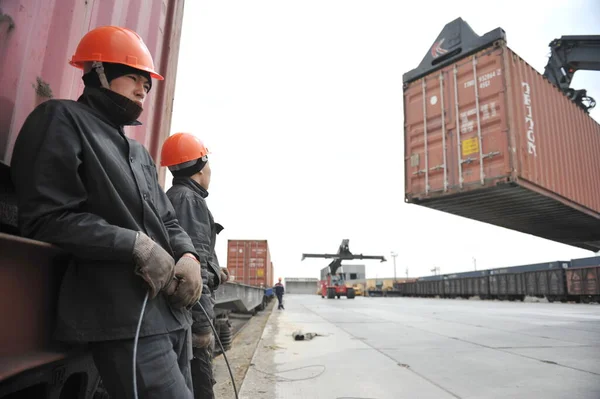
x: 279, y: 290
x: 87, y: 188
x: 189, y: 201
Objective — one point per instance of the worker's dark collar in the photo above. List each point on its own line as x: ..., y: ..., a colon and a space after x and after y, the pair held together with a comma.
x: 192, y: 184
x: 116, y: 109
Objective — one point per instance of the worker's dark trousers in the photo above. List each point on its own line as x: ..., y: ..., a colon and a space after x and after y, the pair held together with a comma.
x: 163, y: 366
x: 202, y: 373
x: 280, y: 299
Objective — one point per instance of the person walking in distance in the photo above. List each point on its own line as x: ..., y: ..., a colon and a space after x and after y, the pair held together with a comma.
x: 187, y: 158
x: 279, y: 291
x: 87, y: 188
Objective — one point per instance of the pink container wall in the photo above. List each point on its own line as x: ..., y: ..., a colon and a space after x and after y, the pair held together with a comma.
x: 38, y: 37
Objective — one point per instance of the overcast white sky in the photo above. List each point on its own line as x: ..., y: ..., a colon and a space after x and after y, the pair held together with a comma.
x: 301, y: 105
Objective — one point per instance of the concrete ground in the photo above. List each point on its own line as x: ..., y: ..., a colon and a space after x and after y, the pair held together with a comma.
x: 427, y: 348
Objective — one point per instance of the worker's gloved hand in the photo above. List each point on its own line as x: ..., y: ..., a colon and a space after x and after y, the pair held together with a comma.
x: 152, y: 263
x: 203, y: 340
x: 224, y: 275
x: 186, y: 288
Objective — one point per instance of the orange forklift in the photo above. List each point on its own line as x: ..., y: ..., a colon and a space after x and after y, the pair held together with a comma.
x: 335, y: 284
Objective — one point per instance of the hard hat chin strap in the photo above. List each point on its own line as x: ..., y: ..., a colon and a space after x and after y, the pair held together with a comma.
x: 97, y: 65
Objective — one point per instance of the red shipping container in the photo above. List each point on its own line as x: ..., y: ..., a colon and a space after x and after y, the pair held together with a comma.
x: 488, y: 138
x: 249, y: 262
x: 38, y: 37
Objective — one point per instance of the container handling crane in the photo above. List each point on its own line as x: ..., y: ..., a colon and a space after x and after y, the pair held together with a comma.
x: 568, y: 55
x: 334, y: 285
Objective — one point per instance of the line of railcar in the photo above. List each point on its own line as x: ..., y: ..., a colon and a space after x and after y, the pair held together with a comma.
x: 575, y: 280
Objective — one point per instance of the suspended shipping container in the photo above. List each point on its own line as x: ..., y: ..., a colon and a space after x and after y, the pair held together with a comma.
x: 488, y: 138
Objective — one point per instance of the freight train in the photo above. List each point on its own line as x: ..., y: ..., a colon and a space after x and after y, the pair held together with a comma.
x: 576, y: 280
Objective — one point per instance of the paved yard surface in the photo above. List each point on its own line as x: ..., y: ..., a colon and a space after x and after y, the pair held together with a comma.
x: 427, y: 348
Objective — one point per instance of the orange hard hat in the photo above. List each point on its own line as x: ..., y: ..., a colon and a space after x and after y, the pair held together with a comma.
x: 115, y: 45
x: 180, y: 148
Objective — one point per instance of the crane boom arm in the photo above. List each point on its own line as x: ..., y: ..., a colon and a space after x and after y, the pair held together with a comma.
x: 568, y: 55
x: 344, y: 257
x: 361, y: 256
x: 325, y: 256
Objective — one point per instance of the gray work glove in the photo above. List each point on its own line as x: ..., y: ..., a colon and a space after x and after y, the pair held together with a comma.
x: 224, y: 275
x: 202, y: 340
x: 185, y: 290
x: 152, y: 263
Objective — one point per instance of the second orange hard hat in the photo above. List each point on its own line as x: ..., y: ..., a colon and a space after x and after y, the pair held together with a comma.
x: 180, y: 148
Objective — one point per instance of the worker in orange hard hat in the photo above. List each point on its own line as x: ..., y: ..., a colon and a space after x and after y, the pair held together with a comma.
x: 86, y: 187
x: 116, y: 59
x: 279, y: 292
x: 186, y: 156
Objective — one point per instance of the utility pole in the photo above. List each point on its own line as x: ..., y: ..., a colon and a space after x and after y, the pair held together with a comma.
x: 394, y: 254
x: 475, y: 263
